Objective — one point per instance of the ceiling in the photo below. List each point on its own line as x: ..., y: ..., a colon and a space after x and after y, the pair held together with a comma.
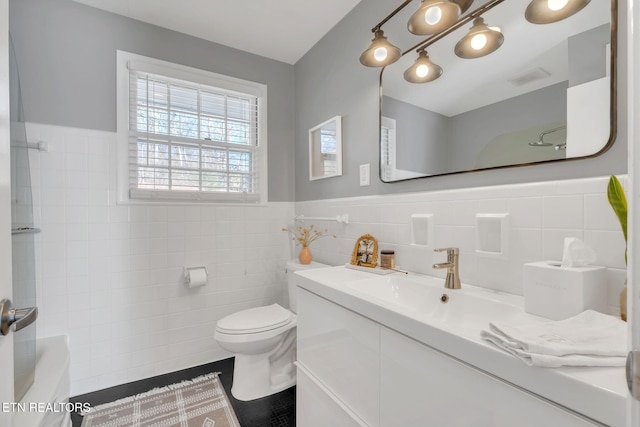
x: 283, y: 30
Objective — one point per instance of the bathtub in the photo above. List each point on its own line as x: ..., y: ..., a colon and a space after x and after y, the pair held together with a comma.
x: 51, y: 385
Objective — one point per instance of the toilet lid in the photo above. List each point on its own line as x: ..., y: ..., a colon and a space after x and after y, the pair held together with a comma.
x: 254, y: 320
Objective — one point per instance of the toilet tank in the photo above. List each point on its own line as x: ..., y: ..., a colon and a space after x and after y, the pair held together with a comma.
x: 292, y: 266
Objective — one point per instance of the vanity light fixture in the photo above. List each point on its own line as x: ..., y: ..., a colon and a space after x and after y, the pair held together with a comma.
x: 437, y: 19
x: 464, y: 4
x: 442, y: 13
x: 480, y: 41
x: 549, y: 11
x: 380, y: 52
x: 423, y: 70
x: 434, y: 16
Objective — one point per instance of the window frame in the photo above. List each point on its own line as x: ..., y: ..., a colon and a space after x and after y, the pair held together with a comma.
x: 126, y: 61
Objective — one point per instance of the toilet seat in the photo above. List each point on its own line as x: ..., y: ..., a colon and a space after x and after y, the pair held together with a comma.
x: 255, y: 320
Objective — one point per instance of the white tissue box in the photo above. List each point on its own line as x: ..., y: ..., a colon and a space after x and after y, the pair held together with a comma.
x: 558, y: 292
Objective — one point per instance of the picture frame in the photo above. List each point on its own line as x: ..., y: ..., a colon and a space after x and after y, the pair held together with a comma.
x: 365, y: 251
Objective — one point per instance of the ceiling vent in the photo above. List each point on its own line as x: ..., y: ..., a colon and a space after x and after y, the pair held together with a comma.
x: 529, y: 76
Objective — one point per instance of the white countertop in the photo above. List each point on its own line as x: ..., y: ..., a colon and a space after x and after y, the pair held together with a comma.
x: 595, y: 392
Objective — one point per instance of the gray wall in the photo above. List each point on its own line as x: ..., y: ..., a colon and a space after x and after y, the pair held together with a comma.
x: 413, y: 125
x: 66, y: 54
x: 473, y: 130
x: 586, y: 55
x: 329, y: 80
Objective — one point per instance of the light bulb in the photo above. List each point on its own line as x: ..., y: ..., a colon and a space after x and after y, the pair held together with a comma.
x: 478, y: 41
x: 433, y: 15
x: 556, y: 4
x: 422, y: 70
x: 380, y: 54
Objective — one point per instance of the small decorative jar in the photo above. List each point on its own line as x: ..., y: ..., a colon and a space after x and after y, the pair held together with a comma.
x: 387, y: 258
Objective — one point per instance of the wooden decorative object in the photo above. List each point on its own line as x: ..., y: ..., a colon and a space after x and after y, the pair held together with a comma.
x: 365, y: 252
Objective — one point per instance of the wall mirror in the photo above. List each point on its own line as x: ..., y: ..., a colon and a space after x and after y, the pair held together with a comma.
x: 547, y: 94
x: 325, y: 149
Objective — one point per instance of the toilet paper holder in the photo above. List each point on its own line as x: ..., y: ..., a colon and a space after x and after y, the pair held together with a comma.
x: 195, y: 276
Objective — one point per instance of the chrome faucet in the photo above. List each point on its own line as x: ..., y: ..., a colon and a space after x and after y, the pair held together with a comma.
x: 452, y: 281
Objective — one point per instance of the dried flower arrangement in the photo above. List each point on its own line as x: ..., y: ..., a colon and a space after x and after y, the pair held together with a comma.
x: 305, y: 236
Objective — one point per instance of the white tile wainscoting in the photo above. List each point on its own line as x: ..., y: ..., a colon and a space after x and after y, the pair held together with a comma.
x: 111, y: 276
x: 540, y: 216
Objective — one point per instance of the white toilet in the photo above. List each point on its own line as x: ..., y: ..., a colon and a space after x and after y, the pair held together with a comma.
x: 264, y: 341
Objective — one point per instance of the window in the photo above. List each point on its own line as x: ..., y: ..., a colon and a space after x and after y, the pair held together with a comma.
x: 388, y: 148
x: 328, y: 151
x: 187, y: 134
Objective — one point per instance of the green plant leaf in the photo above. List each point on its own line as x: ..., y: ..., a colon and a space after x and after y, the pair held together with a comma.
x: 618, y: 201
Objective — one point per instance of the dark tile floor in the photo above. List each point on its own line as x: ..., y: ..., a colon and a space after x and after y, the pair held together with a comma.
x: 278, y: 410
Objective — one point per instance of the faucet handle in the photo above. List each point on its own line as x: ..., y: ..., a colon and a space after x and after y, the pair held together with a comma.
x: 449, y: 251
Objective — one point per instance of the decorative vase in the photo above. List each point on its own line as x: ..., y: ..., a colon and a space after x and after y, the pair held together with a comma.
x: 623, y: 302
x: 305, y: 255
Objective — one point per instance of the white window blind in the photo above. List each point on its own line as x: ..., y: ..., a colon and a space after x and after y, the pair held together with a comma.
x: 328, y: 151
x: 388, y: 148
x: 191, y: 141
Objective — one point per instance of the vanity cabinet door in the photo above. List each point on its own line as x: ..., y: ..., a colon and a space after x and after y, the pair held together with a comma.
x: 423, y: 387
x: 317, y: 407
x: 342, y: 351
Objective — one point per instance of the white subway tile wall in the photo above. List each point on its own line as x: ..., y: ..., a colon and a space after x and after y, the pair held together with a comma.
x: 541, y: 215
x: 111, y: 276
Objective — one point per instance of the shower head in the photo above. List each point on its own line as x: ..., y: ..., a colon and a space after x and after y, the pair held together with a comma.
x: 540, y: 142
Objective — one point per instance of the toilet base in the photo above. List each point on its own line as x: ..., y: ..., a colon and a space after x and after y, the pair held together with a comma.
x: 260, y: 375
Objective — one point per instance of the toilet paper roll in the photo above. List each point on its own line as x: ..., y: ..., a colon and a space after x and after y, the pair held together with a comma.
x: 196, y: 277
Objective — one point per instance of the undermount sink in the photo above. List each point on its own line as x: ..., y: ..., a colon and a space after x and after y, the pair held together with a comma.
x: 400, y: 291
x: 426, y: 297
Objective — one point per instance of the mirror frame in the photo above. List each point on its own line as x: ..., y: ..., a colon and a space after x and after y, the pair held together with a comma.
x: 613, y: 99
x: 337, y: 122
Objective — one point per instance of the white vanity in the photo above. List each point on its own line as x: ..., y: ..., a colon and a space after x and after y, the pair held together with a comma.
x: 386, y: 351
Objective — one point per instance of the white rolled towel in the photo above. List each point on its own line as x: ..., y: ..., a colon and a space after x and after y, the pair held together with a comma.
x: 587, y: 339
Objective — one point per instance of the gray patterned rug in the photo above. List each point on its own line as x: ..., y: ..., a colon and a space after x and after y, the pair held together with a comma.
x: 200, y: 402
